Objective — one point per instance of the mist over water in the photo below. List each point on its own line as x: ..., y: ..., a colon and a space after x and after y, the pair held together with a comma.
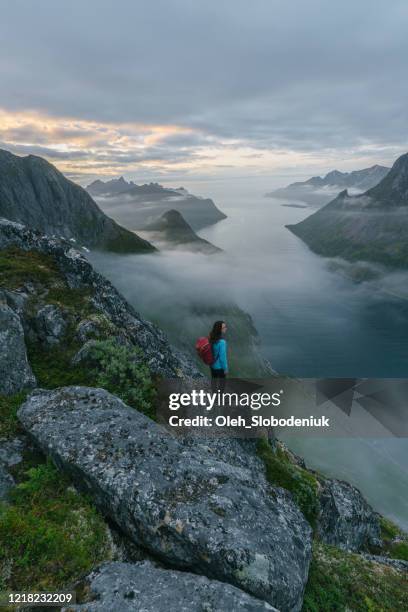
x: 313, y: 322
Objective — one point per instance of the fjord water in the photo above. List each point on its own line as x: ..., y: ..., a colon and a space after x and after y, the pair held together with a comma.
x: 316, y: 323
x: 313, y: 322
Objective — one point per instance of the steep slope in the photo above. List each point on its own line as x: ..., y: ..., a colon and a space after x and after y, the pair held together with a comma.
x: 332, y: 182
x: 372, y: 226
x: 52, y: 267
x: 35, y: 193
x: 140, y: 205
x: 172, y: 231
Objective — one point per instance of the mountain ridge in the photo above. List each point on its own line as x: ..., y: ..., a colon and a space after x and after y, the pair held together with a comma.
x: 138, y: 205
x: 357, y: 179
x: 36, y: 193
x: 372, y: 226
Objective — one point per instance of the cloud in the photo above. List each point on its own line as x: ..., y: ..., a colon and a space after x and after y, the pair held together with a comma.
x: 328, y: 79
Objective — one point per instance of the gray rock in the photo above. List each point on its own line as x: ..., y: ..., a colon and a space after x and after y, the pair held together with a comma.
x: 161, y: 357
x: 142, y: 587
x: 94, y: 327
x: 346, y: 519
x: 50, y: 324
x: 398, y: 564
x: 11, y: 451
x: 6, y: 483
x: 83, y: 353
x: 11, y: 454
x: 186, y: 506
x: 15, y: 371
x: 15, y: 299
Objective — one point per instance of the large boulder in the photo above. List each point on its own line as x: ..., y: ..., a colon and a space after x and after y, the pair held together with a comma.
x: 346, y: 519
x: 15, y: 371
x: 143, y: 587
x: 178, y: 500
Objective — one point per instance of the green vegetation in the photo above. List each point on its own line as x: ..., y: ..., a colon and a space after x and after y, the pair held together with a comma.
x: 395, y: 541
x: 117, y: 368
x: 17, y: 267
x: 341, y: 581
x: 49, y: 535
x: 77, y: 299
x: 9, y: 424
x: 52, y: 367
x: 335, y: 238
x: 121, y: 370
x: 282, y: 472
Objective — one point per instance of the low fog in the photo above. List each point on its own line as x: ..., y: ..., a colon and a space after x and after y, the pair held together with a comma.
x: 313, y: 321
x: 312, y: 317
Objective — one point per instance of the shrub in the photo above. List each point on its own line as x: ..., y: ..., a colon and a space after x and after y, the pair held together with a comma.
x: 121, y: 370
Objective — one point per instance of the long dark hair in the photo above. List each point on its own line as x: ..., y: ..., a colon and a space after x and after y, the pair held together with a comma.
x: 216, y: 332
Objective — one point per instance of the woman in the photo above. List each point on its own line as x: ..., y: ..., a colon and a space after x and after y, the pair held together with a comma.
x: 219, y: 367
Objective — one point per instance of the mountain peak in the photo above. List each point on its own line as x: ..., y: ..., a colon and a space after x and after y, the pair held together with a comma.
x: 372, y: 226
x: 35, y: 193
x: 334, y: 174
x: 393, y: 189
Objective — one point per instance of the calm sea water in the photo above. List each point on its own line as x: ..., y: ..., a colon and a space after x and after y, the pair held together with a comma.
x: 313, y: 322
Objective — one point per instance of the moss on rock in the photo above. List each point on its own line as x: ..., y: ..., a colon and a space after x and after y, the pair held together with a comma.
x: 280, y: 471
x: 342, y: 581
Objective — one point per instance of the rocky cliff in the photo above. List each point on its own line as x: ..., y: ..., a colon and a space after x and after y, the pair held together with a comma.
x: 35, y: 193
x: 372, y: 226
x: 40, y: 271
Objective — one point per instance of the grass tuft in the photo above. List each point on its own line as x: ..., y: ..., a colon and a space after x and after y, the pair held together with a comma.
x: 49, y: 535
x: 281, y: 472
x: 340, y: 581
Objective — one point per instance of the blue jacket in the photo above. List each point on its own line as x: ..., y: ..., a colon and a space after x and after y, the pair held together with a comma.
x: 220, y: 353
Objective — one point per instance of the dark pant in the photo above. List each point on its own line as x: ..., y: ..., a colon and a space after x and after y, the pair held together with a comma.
x: 217, y: 380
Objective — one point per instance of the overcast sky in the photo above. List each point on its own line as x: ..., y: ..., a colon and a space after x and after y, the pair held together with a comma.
x: 204, y: 89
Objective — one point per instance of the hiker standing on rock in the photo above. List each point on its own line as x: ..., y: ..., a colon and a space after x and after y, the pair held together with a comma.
x: 213, y: 351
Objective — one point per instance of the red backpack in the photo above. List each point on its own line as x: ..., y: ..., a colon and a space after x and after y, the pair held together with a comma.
x: 204, y: 350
